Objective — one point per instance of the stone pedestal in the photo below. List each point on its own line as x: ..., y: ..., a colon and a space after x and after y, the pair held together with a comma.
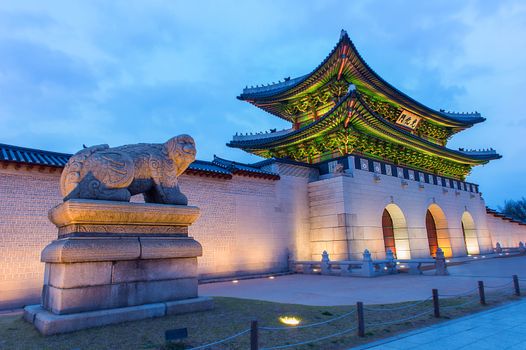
x: 112, y: 257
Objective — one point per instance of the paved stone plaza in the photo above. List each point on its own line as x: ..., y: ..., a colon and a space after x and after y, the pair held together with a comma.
x: 500, y: 328
x: 330, y: 290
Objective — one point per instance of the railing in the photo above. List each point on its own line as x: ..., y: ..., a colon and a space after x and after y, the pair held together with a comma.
x: 371, y: 317
x: 367, y: 267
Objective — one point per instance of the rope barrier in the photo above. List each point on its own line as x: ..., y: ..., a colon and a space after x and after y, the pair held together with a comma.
x: 399, y: 320
x: 459, y: 294
x: 497, y: 292
x: 460, y: 305
x: 309, y: 325
x: 399, y: 308
x: 311, y: 340
x: 222, y: 340
x: 499, y: 286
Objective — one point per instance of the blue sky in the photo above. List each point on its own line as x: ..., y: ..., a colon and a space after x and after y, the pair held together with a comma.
x: 74, y: 73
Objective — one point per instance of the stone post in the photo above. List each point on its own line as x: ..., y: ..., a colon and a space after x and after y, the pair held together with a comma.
x: 325, y: 263
x: 440, y: 263
x: 391, y: 264
x: 367, y: 265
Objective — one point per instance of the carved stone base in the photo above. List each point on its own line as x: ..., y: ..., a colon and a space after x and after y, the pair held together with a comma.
x: 86, y: 217
x: 49, y: 323
x: 119, y: 265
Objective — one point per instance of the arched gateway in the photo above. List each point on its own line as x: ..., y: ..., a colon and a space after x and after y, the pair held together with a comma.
x: 437, y: 231
x: 395, y: 233
x: 470, y: 234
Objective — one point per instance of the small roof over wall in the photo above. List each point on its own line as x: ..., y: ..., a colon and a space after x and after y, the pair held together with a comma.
x: 219, y: 167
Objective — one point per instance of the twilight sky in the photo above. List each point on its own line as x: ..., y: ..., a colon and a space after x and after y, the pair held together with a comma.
x: 74, y: 73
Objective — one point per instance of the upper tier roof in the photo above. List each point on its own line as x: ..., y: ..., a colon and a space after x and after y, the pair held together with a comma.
x: 345, y: 59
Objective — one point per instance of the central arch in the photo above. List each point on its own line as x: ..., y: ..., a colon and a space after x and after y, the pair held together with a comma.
x: 437, y: 231
x: 395, y: 233
x: 470, y: 234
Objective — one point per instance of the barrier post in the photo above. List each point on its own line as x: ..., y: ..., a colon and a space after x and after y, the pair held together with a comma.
x: 482, y: 295
x: 361, y: 323
x: 254, y: 335
x: 516, y: 285
x: 436, y: 304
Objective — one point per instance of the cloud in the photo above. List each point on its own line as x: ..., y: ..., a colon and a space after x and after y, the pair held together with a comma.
x: 120, y: 72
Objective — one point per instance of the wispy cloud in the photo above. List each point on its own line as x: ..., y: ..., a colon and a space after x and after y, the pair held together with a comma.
x: 119, y: 72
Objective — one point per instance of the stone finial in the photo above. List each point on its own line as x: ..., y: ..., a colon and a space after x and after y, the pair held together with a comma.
x: 498, y: 248
x: 389, y: 254
x: 440, y: 263
x: 325, y: 263
x: 367, y: 255
x: 325, y: 256
x: 440, y: 253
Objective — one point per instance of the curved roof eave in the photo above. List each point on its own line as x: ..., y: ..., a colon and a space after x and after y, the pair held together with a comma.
x: 266, y: 93
x: 257, y: 144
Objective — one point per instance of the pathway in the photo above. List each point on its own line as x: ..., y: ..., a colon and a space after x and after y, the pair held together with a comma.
x: 333, y: 290
x: 500, y: 328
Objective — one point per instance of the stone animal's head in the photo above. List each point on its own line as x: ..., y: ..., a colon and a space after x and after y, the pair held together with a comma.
x: 181, y: 149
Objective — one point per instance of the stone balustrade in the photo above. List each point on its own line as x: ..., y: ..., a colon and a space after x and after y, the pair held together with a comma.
x: 367, y: 267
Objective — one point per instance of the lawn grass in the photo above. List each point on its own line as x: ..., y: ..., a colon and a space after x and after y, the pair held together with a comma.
x: 233, y: 315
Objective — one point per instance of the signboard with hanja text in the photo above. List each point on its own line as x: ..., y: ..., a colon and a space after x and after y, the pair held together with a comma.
x: 408, y: 119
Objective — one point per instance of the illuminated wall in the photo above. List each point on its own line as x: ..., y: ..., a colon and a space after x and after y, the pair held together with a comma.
x: 507, y: 233
x: 251, y: 225
x: 247, y: 225
x: 346, y: 212
x: 26, y: 196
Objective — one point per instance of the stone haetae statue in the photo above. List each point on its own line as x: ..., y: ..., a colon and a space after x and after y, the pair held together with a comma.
x: 104, y: 173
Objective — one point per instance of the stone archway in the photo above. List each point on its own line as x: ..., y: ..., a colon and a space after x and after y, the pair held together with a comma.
x: 437, y: 231
x: 470, y: 234
x: 395, y: 233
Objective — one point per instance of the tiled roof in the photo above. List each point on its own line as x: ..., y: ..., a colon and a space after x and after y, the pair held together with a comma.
x: 30, y: 156
x: 503, y: 216
x: 244, y: 169
x: 262, y: 95
x: 218, y: 168
x: 199, y: 167
x: 269, y: 161
x: 368, y: 120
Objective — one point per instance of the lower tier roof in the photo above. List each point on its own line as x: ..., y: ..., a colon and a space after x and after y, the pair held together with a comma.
x: 352, y: 116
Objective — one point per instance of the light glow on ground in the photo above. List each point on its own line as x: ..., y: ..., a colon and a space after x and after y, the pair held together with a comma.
x: 290, y: 320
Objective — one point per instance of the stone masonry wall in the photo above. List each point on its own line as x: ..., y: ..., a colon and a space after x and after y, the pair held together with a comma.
x: 346, y: 214
x: 252, y: 225
x: 247, y: 225
x: 507, y: 233
x: 26, y: 196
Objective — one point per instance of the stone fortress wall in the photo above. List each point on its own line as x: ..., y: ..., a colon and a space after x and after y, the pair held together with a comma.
x: 247, y: 226
x: 507, y: 233
x: 351, y: 223
x: 251, y: 225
